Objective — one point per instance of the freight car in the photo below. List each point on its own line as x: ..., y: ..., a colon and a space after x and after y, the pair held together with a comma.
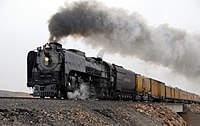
x: 53, y: 71
x: 169, y: 93
x: 143, y: 88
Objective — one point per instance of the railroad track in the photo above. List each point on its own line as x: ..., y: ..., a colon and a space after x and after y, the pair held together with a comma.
x: 34, y: 98
x: 38, y: 98
x: 19, y: 98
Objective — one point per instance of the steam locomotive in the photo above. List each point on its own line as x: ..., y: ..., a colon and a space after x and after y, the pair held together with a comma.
x: 53, y: 71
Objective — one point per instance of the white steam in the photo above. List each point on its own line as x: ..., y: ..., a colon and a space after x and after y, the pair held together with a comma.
x: 101, y: 53
x: 81, y: 93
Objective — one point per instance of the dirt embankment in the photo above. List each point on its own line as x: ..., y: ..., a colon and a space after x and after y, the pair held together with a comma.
x: 160, y: 113
x: 80, y: 112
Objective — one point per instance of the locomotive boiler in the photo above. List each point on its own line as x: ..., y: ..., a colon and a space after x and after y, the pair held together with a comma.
x: 53, y: 71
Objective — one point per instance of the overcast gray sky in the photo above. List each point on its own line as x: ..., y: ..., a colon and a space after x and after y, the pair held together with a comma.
x: 24, y: 26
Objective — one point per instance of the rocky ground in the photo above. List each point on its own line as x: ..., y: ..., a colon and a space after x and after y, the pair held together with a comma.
x: 160, y: 113
x: 193, y: 108
x: 71, y: 112
x: 86, y: 112
x: 81, y: 112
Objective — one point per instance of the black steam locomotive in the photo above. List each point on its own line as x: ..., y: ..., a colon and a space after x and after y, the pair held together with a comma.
x: 53, y: 71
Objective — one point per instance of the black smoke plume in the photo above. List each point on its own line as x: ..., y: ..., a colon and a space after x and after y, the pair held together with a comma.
x: 83, y: 18
x: 117, y: 31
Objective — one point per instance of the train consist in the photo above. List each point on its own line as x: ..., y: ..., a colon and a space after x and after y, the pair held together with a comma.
x: 53, y: 71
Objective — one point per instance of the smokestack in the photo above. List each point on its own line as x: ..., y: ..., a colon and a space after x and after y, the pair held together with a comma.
x: 117, y: 31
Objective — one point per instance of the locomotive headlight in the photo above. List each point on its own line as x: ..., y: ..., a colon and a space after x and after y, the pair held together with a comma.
x: 46, y: 59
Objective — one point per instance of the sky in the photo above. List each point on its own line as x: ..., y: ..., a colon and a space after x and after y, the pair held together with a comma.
x: 24, y: 27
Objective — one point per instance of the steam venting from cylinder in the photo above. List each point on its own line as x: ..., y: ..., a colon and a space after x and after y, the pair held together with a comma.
x: 81, y: 93
x: 118, y: 31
